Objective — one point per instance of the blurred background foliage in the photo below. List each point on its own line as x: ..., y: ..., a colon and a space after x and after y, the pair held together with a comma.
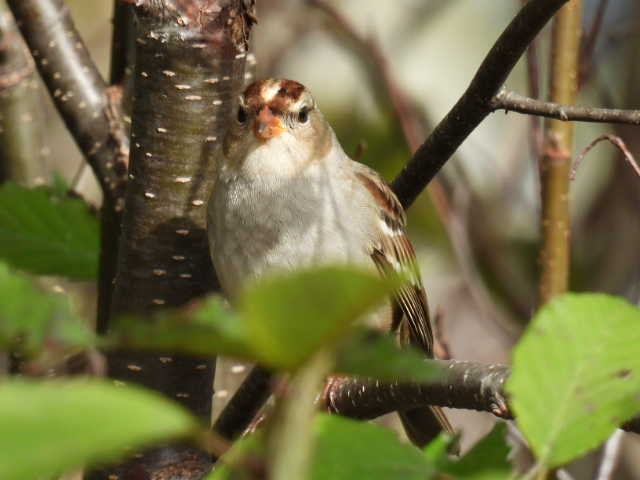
x: 486, y: 292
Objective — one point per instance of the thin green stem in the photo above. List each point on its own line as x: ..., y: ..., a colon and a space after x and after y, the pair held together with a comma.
x: 555, y: 163
x: 291, y: 438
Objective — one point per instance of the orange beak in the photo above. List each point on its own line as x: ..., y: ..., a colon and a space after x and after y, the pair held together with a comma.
x: 267, y: 125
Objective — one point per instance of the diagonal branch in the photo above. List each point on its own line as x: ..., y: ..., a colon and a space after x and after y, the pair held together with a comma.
x: 77, y: 89
x: 514, y: 102
x: 245, y: 404
x: 475, y: 103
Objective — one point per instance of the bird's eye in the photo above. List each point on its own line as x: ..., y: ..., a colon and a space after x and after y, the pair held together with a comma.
x: 303, y: 115
x: 242, y: 115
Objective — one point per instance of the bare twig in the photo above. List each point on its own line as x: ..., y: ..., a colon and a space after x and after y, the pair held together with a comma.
x: 513, y: 102
x: 290, y: 440
x: 616, y: 141
x: 77, y: 89
x: 475, y: 103
x: 245, y: 403
x: 465, y: 385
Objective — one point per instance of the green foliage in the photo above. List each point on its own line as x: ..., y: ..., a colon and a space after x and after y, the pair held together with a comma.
x: 291, y: 316
x: 246, y: 454
x: 576, y: 375
x: 45, y: 233
x: 283, y: 321
x: 49, y: 427
x: 30, y: 317
x: 487, y: 460
x: 378, y: 356
x: 207, y: 329
x: 347, y: 449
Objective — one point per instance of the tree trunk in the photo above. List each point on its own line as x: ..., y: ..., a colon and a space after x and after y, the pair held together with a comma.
x: 190, y: 58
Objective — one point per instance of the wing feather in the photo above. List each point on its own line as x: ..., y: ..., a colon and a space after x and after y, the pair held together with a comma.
x: 392, y: 252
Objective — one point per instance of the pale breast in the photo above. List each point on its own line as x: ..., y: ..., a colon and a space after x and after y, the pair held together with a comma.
x: 307, y: 221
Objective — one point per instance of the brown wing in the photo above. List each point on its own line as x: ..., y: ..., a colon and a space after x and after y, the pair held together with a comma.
x: 393, y: 252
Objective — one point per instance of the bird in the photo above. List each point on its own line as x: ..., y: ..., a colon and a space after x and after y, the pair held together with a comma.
x: 286, y: 196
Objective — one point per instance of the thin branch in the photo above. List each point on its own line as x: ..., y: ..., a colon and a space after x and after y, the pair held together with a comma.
x: 237, y: 415
x: 616, y: 141
x: 290, y: 439
x: 122, y: 42
x: 77, y: 89
x: 475, y: 103
x: 555, y: 163
x: 514, y: 102
x: 466, y: 385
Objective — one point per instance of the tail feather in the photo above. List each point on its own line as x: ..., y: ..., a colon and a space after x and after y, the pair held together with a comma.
x: 423, y: 425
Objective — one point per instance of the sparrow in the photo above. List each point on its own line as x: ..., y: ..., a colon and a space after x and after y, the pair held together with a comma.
x: 286, y: 196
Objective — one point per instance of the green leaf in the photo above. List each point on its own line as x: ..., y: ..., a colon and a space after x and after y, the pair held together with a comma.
x: 246, y: 454
x: 30, y: 317
x: 207, y: 329
x: 347, y: 449
x: 369, y: 355
x: 49, y: 427
x: 291, y: 316
x: 437, y: 452
x: 487, y: 460
x: 281, y: 322
x: 47, y: 234
x: 576, y: 375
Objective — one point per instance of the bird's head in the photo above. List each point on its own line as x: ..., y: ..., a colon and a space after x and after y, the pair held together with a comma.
x: 277, y: 115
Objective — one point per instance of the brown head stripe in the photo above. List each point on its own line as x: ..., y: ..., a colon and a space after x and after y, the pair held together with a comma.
x: 288, y: 93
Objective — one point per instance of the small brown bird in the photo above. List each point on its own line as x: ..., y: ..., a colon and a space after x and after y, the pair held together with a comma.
x: 286, y: 196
